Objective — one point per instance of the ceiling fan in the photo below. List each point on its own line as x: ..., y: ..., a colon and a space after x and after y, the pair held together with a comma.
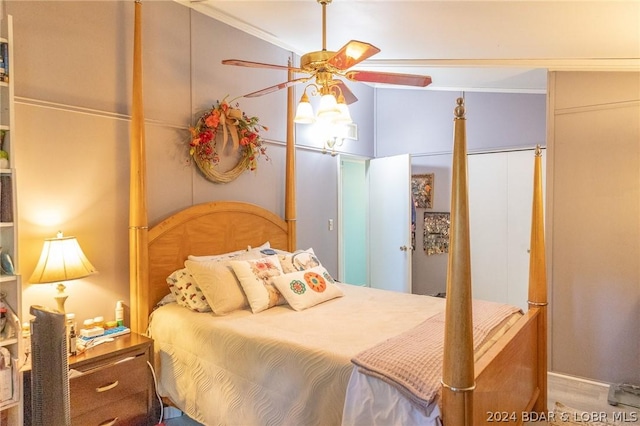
x: 324, y: 65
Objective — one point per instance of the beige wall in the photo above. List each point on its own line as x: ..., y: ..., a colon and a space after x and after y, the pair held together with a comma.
x: 594, y: 224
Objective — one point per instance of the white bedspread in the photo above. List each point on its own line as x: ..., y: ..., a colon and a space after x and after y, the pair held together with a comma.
x: 278, y: 367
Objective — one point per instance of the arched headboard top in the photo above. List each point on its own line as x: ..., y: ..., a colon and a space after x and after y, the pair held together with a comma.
x: 208, y: 229
x: 218, y: 213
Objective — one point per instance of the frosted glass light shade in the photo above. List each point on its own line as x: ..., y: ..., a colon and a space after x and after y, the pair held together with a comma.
x: 304, y: 113
x: 328, y: 108
x: 345, y: 116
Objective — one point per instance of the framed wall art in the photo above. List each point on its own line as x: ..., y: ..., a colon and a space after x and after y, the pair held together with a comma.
x: 422, y: 190
x: 436, y: 233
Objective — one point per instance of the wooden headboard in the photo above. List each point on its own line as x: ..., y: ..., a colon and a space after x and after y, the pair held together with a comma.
x: 234, y: 225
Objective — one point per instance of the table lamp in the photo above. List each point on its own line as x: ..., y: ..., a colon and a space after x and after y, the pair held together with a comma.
x: 61, y: 260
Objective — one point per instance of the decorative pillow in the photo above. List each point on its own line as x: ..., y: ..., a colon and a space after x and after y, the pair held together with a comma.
x: 216, y: 257
x: 169, y: 298
x: 255, y: 278
x: 298, y: 261
x: 186, y: 291
x: 219, y: 284
x: 266, y: 245
x: 304, y: 289
x: 230, y: 255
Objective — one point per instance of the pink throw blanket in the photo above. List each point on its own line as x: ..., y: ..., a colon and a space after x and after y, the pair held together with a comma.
x: 412, y: 361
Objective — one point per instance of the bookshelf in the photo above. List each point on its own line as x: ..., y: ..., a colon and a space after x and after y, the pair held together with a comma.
x: 11, y: 412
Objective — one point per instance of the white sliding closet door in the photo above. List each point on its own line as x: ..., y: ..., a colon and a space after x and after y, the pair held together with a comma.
x: 500, y: 197
x: 487, y: 223
x: 520, y: 194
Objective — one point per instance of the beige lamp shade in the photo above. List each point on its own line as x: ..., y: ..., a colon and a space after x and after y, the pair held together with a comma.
x: 61, y: 259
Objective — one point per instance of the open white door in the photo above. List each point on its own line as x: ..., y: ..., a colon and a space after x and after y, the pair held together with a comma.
x: 390, y: 223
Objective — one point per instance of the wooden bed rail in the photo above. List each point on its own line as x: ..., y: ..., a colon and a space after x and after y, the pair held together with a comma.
x: 506, y: 376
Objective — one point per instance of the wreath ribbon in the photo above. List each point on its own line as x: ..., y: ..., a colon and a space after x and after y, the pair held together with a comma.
x: 230, y: 119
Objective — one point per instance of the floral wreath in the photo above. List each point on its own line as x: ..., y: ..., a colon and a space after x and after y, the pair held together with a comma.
x: 230, y: 121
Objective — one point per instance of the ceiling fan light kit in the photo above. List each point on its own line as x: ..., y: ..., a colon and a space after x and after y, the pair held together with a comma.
x: 332, y: 108
x: 324, y: 65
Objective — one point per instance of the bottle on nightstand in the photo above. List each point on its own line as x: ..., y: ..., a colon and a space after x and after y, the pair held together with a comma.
x: 119, y: 313
x: 69, y: 324
x: 72, y: 340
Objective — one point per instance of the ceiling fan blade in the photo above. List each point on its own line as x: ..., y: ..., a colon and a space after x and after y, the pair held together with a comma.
x: 349, y: 97
x: 351, y: 54
x: 389, y: 78
x: 243, y: 63
x: 275, y: 88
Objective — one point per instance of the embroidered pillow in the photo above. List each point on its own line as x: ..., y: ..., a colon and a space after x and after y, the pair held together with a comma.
x: 256, y: 280
x: 187, y: 293
x: 298, y: 261
x: 219, y: 284
x: 304, y: 289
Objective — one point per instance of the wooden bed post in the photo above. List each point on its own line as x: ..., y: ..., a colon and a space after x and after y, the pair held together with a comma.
x: 138, y: 230
x: 290, y: 177
x: 458, y: 380
x: 538, y: 279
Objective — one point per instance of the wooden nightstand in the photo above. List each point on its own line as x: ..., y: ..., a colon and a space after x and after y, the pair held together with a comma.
x: 115, y: 386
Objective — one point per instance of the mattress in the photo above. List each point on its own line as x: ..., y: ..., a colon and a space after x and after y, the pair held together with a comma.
x: 280, y: 366
x: 286, y: 367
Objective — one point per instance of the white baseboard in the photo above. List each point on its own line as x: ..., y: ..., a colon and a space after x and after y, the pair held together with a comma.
x: 569, y: 378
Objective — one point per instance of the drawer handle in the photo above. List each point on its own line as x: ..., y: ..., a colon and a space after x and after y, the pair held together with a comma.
x: 107, y: 387
x: 109, y: 422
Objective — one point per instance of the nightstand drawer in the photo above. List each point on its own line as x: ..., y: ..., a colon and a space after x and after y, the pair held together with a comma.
x: 109, y: 383
x: 130, y: 411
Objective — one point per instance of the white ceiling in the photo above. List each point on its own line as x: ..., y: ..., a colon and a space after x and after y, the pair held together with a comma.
x: 500, y: 46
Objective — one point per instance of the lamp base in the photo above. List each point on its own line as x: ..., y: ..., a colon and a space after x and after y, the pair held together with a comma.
x: 61, y: 297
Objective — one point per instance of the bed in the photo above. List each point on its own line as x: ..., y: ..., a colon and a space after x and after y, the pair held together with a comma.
x: 507, y: 378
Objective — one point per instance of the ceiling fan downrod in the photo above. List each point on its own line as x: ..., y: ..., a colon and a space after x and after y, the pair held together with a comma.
x: 324, y: 4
